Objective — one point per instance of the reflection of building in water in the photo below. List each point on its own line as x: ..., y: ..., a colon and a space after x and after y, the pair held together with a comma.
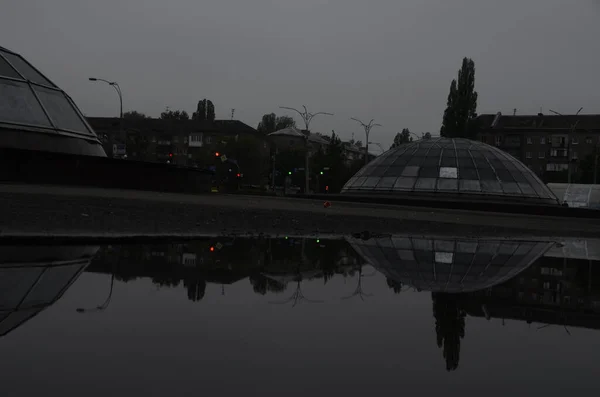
x: 446, y: 264
x: 561, y: 291
x: 33, y: 278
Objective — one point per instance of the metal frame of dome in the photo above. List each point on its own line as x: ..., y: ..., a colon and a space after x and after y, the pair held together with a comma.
x: 452, y: 167
x: 30, y: 103
x: 449, y: 264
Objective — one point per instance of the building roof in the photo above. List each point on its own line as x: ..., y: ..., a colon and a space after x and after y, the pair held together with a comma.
x: 447, y: 167
x: 540, y: 121
x: 173, y: 126
x: 449, y: 264
x: 30, y: 101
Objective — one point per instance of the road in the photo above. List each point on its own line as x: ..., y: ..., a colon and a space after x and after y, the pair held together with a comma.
x: 52, y: 210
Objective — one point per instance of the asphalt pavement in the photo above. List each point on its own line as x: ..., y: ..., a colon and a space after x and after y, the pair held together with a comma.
x: 35, y: 210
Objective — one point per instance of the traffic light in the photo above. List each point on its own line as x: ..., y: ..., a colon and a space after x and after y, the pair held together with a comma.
x: 289, y: 172
x: 321, y: 172
x: 217, y: 154
x: 170, y: 155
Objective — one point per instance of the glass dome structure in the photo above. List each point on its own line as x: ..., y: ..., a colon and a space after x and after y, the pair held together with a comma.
x: 450, y: 167
x: 449, y: 264
x: 35, y: 114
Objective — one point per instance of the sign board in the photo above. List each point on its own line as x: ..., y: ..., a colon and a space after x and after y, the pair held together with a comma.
x: 119, y: 149
x: 223, y: 158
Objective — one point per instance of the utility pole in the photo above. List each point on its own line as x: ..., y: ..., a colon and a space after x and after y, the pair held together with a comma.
x: 569, y: 139
x: 307, y: 118
x: 367, y: 128
x: 232, y: 112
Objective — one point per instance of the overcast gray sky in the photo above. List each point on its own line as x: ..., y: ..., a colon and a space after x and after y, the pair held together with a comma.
x: 390, y: 60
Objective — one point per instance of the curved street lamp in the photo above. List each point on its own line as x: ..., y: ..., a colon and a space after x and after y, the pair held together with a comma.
x: 367, y: 128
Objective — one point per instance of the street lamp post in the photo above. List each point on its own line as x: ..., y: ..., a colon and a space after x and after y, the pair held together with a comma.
x: 367, y: 128
x: 569, y: 138
x: 117, y: 88
x: 307, y: 118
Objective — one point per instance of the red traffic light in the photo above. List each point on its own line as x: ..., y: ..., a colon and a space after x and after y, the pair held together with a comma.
x: 239, y: 175
x: 212, y: 249
x: 170, y: 154
x: 217, y: 154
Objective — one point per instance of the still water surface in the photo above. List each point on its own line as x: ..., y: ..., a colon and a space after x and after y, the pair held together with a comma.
x: 348, y: 317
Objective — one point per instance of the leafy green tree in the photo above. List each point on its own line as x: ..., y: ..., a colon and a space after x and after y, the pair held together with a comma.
x: 427, y: 135
x: 462, y: 104
x: 204, y: 111
x: 134, y: 115
x: 271, y: 123
x: 169, y: 114
x: 402, y: 138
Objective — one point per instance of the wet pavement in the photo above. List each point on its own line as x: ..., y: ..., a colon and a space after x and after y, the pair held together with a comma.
x: 80, y: 212
x: 351, y: 316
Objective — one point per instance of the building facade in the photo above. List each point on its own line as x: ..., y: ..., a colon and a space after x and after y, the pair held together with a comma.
x: 543, y: 142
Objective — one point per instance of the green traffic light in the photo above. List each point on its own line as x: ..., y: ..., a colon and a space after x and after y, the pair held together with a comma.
x: 321, y: 172
x: 289, y: 172
x: 318, y: 241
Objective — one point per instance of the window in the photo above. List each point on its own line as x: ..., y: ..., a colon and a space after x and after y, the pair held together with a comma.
x: 541, y: 155
x: 543, y: 140
x: 558, y: 153
x: 574, y: 140
x: 528, y: 155
x: 588, y: 140
x: 574, y: 156
x: 189, y: 155
x: 196, y: 138
x: 556, y: 167
x: 185, y: 139
x: 498, y: 139
x: 209, y: 139
x: 529, y: 141
x: 547, y: 285
x: 176, y: 139
x: 153, y: 139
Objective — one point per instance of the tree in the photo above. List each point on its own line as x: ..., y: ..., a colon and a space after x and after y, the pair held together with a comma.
x: 462, y: 103
x: 427, y: 135
x: 449, y: 327
x: 174, y: 115
x: 271, y: 123
x: 402, y: 138
x: 204, y: 111
x: 134, y: 115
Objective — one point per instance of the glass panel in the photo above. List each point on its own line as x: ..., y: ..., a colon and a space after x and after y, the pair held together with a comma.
x: 448, y: 161
x: 16, y: 318
x: 425, y: 183
x: 465, y: 162
x: 470, y: 186
x: 350, y: 182
x: 404, y: 183
x: 416, y: 161
x: 371, y: 181
x: 50, y: 285
x: 518, y: 176
x: 511, y: 188
x: 26, y: 70
x: 359, y: 181
x: 402, y: 160
x: 7, y: 70
x: 444, y: 257
x: 429, y: 172
x: 394, y: 171
x: 491, y: 187
x: 14, y: 284
x: 449, y: 172
x: 443, y: 245
x: 386, y: 182
x: 431, y: 162
x: 19, y: 105
x: 527, y: 189
x: 410, y: 170
x: 447, y: 184
x: 468, y: 173
x: 466, y: 247
x: 378, y: 171
x: 486, y: 174
x: 60, y: 110
x: 504, y: 175
x: 422, y: 244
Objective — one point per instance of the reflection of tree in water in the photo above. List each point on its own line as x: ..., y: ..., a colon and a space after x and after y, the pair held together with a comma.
x: 261, y: 285
x: 449, y: 327
x: 196, y: 288
x: 359, y: 291
x: 395, y: 285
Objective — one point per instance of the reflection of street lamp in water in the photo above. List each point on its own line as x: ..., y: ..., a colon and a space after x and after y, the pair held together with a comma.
x: 104, y: 305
